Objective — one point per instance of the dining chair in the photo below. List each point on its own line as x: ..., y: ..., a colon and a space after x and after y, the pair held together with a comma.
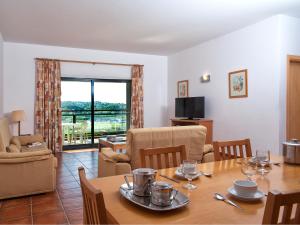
x: 163, y: 156
x: 94, y: 211
x: 84, y: 132
x: 77, y: 134
x: 232, y: 149
x: 288, y: 202
x: 66, y: 133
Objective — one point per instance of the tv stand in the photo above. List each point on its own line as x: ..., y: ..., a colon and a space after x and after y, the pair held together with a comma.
x: 204, y: 122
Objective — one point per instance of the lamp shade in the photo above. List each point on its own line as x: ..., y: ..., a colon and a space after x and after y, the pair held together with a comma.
x: 17, y: 116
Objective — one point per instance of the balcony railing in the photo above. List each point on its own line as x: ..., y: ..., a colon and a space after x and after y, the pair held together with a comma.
x: 77, y: 125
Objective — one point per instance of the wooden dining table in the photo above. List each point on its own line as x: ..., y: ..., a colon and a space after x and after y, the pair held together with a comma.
x: 203, y: 208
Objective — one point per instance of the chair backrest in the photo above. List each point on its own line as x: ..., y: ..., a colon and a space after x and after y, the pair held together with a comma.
x: 289, y: 202
x: 94, y: 211
x: 160, y: 158
x: 193, y: 137
x: 232, y: 149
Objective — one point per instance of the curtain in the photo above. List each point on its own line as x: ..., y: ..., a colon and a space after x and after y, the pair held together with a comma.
x: 137, y: 97
x: 48, y: 103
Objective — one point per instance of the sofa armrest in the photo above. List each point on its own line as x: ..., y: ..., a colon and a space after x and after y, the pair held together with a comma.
x: 208, y: 153
x: 22, y: 157
x: 28, y: 139
x: 209, y: 157
x: 106, y: 166
x: 208, y: 148
x: 123, y: 168
x: 114, y: 156
x: 110, y: 167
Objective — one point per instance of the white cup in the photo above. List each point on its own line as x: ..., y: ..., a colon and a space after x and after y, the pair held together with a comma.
x: 245, y: 187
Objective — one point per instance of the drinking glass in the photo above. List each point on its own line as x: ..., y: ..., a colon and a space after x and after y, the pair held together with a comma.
x: 189, y: 170
x: 248, y: 168
x: 262, y: 159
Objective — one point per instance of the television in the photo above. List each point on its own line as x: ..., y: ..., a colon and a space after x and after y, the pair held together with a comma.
x: 190, y: 107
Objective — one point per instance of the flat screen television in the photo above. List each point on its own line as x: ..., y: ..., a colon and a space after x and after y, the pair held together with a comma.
x: 190, y: 107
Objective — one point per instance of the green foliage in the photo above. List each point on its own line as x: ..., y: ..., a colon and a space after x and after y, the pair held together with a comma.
x: 74, y: 105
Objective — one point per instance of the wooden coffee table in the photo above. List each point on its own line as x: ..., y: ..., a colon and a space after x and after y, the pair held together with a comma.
x: 116, y: 145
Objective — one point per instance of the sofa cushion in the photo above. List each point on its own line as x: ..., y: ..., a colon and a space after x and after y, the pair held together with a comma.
x: 192, y: 137
x: 117, y: 157
x: 15, y: 140
x: 40, y: 147
x: 141, y: 138
x: 23, y: 157
x: 12, y: 148
x: 29, y: 139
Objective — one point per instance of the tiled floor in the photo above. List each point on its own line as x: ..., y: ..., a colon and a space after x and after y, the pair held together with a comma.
x: 64, y: 206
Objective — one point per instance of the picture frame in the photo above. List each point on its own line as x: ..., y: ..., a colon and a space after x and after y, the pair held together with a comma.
x: 183, y: 88
x: 238, y: 84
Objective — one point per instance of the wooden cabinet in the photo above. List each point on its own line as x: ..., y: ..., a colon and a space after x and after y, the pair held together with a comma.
x: 204, y: 122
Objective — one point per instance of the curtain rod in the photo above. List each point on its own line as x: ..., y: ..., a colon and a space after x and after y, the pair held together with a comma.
x: 90, y: 62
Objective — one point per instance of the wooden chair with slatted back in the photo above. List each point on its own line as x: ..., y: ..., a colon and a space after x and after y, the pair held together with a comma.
x: 232, y: 149
x: 287, y: 201
x: 162, y: 156
x: 94, y: 211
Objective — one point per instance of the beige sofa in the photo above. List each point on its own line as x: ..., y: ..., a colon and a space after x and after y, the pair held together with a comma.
x: 193, y: 137
x: 24, y: 170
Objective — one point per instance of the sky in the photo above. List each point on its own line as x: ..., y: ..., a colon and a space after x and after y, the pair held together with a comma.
x: 103, y: 91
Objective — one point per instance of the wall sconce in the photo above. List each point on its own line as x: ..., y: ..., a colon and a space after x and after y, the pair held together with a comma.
x: 205, y: 78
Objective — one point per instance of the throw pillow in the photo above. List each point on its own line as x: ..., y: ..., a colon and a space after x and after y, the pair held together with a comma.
x: 12, y: 148
x: 15, y: 141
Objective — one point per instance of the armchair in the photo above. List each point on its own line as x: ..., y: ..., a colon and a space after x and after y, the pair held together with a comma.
x: 24, y: 170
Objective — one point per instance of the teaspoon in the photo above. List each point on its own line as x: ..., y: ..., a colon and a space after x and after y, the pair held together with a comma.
x: 207, y: 174
x: 222, y: 198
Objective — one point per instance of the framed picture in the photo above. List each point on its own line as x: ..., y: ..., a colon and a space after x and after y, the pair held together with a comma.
x: 183, y: 88
x: 238, y: 84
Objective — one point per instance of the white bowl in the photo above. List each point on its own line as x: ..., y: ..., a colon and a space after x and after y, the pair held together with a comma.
x: 245, y: 187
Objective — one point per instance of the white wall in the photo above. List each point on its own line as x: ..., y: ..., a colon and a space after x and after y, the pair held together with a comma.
x: 1, y: 75
x: 19, y: 76
x: 290, y: 45
x: 256, y: 48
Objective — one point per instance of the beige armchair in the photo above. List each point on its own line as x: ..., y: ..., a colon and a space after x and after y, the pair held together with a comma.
x: 24, y: 170
x: 193, y: 137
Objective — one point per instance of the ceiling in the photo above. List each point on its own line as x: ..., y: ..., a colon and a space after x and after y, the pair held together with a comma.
x: 160, y: 27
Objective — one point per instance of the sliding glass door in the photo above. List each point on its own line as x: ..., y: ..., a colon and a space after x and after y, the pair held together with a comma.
x: 92, y: 108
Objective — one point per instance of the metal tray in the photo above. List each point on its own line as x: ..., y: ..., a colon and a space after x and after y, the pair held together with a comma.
x: 179, y: 201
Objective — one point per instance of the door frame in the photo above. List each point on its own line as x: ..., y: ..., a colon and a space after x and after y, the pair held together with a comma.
x: 290, y: 59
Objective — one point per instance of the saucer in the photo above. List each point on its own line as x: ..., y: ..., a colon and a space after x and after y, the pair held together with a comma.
x: 179, y: 173
x: 256, y: 196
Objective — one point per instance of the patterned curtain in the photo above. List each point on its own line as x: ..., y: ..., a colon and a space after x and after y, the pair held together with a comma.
x: 137, y: 97
x: 48, y: 103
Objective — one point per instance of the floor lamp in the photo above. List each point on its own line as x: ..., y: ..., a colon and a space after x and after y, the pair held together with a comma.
x: 16, y: 117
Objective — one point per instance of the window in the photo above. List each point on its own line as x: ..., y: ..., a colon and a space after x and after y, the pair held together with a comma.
x: 92, y: 108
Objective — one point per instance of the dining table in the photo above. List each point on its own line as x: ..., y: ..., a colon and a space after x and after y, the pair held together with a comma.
x: 203, y: 207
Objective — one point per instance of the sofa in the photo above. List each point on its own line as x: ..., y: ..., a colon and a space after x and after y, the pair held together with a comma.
x: 24, y: 169
x: 193, y: 137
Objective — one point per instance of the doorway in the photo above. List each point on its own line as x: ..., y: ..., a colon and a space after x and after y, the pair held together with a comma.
x: 92, y: 108
x: 293, y: 98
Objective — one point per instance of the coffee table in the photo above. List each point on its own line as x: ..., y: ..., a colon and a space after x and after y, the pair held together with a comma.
x: 115, y: 145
